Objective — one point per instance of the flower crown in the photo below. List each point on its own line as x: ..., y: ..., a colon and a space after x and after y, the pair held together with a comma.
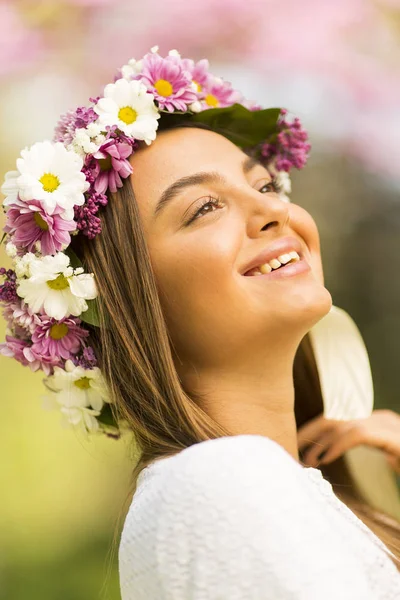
x: 60, y: 186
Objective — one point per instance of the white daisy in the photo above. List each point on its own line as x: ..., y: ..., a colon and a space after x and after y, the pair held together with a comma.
x: 50, y: 173
x: 131, y: 69
x: 76, y: 387
x: 86, y: 417
x: 131, y: 107
x: 55, y: 286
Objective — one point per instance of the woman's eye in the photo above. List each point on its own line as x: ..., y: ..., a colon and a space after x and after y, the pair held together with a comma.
x: 271, y: 186
x: 209, y: 202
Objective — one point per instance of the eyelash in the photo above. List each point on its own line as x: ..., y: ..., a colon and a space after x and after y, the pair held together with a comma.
x: 214, y: 201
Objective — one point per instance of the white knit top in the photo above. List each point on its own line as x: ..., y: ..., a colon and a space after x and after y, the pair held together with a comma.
x: 238, y: 518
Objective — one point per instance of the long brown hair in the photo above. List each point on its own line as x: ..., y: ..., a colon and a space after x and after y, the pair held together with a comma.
x: 134, y: 352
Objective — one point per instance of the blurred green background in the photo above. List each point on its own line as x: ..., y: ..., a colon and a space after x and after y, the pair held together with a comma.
x: 336, y: 66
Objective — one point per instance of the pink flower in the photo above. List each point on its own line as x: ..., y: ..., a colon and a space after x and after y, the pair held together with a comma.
x: 72, y: 120
x: 199, y: 73
x: 54, y: 340
x: 167, y: 79
x: 219, y: 93
x: 19, y: 313
x: 111, y: 165
x: 251, y: 105
x: 14, y: 347
x: 29, y: 223
x: 20, y: 44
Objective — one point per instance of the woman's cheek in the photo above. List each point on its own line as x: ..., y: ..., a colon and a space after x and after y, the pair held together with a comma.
x: 304, y: 225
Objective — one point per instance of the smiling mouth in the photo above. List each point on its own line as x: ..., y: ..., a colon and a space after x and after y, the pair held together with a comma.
x: 275, y: 264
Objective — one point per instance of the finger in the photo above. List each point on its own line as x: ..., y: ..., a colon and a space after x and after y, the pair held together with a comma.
x: 311, y: 456
x: 349, y: 439
x: 394, y: 462
x: 312, y: 430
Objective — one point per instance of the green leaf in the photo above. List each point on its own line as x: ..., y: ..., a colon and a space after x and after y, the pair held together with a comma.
x: 2, y: 239
x: 91, y: 315
x: 106, y: 416
x: 74, y: 261
x: 242, y: 126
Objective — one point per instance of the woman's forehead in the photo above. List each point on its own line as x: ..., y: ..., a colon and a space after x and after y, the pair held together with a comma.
x: 180, y: 152
x: 185, y: 147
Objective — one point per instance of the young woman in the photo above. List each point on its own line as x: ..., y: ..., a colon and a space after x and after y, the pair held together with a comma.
x: 209, y: 281
x: 227, y: 510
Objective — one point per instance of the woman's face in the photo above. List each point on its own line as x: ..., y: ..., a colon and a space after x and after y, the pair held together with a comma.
x: 214, y: 313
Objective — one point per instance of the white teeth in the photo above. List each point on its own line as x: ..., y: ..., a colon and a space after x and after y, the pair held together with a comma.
x: 275, y: 263
x: 265, y: 268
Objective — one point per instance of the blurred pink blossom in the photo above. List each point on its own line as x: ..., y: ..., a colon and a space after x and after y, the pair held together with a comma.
x: 89, y: 2
x: 352, y: 44
x: 19, y: 45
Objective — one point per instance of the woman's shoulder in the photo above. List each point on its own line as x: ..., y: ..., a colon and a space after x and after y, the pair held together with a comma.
x: 229, y: 518
x: 216, y: 474
x: 240, y: 457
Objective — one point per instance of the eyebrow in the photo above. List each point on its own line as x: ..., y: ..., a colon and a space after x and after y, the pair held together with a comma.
x: 202, y: 177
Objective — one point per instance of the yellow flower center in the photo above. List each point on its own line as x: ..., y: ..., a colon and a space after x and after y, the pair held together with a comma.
x: 105, y: 163
x: 49, y: 182
x: 211, y: 100
x: 40, y: 221
x: 199, y: 86
x: 83, y: 383
x: 58, y: 331
x: 127, y: 114
x: 163, y: 87
x: 60, y: 283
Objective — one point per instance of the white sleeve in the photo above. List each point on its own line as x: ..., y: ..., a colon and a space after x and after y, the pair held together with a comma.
x: 237, y: 520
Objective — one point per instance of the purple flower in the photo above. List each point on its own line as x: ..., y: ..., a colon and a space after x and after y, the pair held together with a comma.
x: 29, y: 222
x: 8, y: 290
x: 167, y: 79
x: 72, y: 120
x: 85, y: 216
x: 219, y: 93
x: 87, y: 359
x: 53, y: 340
x: 289, y: 148
x: 111, y: 165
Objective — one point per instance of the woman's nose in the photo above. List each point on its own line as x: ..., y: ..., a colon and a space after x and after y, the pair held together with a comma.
x: 265, y: 211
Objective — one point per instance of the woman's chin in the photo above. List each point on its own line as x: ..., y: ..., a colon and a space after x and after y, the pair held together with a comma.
x: 316, y: 308
x: 304, y: 309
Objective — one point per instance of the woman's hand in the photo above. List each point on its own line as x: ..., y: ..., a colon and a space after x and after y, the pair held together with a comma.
x: 334, y: 438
